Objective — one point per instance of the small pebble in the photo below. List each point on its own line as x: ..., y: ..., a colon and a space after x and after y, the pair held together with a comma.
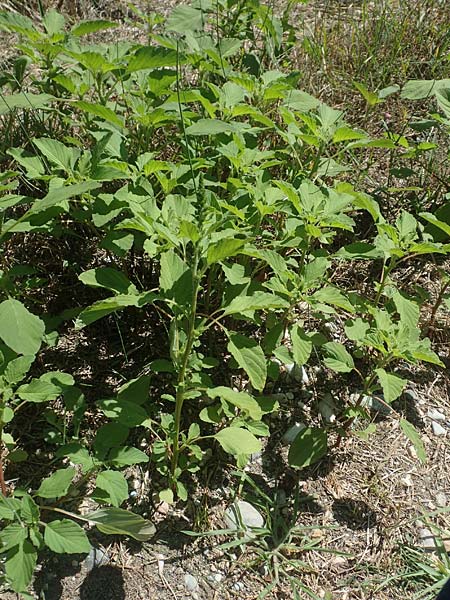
x: 190, y: 582
x: 435, y: 415
x: 438, y: 429
x: 407, y: 481
x: 441, y: 499
x: 427, y: 539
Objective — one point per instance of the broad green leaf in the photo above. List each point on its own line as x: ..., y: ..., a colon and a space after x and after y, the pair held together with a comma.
x: 258, y: 301
x: 18, y: 368
x: 20, y: 564
x: 114, y: 485
x: 57, y: 485
x: 236, y: 441
x: 416, y: 89
x: 56, y: 152
x: 123, y: 457
x: 337, y: 358
x: 250, y: 357
x: 224, y: 248
x: 356, y: 330
x: 210, y: 127
x: 12, y: 535
x: 392, y: 385
x: 87, y: 27
x: 414, y: 437
x: 24, y: 100
x: 153, y: 57
x: 123, y: 522
x: 136, y: 390
x: 334, y: 297
x: 185, y: 18
x: 99, y: 110
x: 175, y: 278
x: 110, y: 435
x: 240, y: 399
x: 126, y: 413
x: 29, y: 510
x: 58, y: 195
x: 19, y: 329
x: 309, y: 446
x: 66, y: 537
x: 102, y: 308
x: 445, y: 227
x: 38, y: 391
x: 78, y: 455
x: 53, y: 22
x: 109, y: 278
x: 408, y: 310
x: 301, y: 345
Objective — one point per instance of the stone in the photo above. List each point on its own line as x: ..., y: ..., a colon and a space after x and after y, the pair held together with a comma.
x: 436, y: 415
x: 377, y: 404
x: 426, y: 539
x: 407, y: 481
x: 441, y: 499
x: 438, y: 429
x: 190, y: 582
x: 249, y: 516
x: 96, y: 558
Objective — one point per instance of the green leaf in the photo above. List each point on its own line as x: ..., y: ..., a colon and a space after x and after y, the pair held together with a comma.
x: 414, y: 437
x: 124, y: 457
x: 59, y: 194
x: 185, y: 18
x: 301, y: 345
x: 29, y: 510
x: 27, y: 101
x: 114, y: 485
x: 20, y: 564
x: 99, y: 110
x: 240, y: 399
x: 109, y: 278
x: 12, y: 535
x: 19, y: 329
x: 331, y: 295
x: 110, y: 435
x: 236, y: 441
x: 153, y: 57
x: 392, y: 385
x: 118, y: 521
x: 38, y: 391
x: 370, y: 97
x: 338, y: 359
x: 136, y: 390
x: 126, y: 413
x: 416, y: 89
x: 57, y: 152
x: 445, y: 227
x: 66, y: 537
x: 309, y: 446
x: 57, y: 485
x: 224, y: 248
x: 408, y: 310
x: 102, y: 308
x: 175, y: 278
x: 210, y: 127
x: 18, y: 368
x: 87, y: 27
x: 249, y: 356
x: 258, y: 301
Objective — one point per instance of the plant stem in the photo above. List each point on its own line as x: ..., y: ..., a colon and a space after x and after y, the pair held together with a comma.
x: 181, y: 382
